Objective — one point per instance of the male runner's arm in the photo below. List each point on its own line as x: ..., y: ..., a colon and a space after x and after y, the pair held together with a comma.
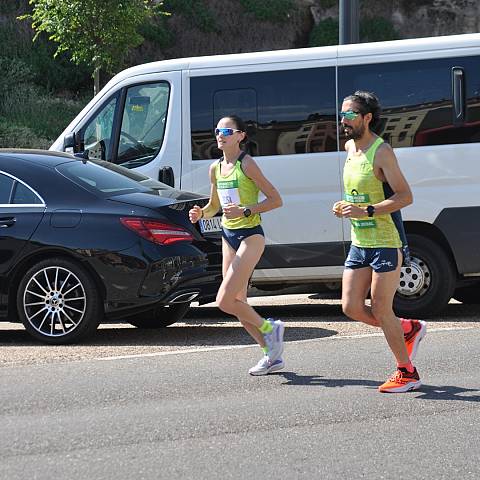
x: 272, y: 197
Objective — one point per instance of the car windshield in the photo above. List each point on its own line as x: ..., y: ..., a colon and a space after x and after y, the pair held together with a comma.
x: 107, y: 179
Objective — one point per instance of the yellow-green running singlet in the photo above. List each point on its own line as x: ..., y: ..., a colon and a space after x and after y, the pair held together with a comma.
x: 363, y: 188
x: 239, y: 189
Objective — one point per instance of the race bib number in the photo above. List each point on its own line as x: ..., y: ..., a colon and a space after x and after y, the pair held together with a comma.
x: 228, y: 192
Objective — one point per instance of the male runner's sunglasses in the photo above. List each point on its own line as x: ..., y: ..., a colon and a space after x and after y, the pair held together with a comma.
x: 226, y: 132
x: 349, y: 114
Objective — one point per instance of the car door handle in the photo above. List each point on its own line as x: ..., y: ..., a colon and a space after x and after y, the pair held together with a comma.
x: 7, y: 222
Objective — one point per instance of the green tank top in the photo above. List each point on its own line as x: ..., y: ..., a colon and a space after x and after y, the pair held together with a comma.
x: 363, y: 188
x: 237, y: 188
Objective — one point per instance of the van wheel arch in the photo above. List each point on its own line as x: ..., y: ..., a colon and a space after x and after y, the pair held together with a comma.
x: 428, y: 285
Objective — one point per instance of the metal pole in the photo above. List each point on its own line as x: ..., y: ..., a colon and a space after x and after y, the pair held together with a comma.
x: 349, y: 22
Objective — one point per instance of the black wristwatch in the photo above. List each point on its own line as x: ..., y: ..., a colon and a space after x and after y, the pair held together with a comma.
x: 370, y: 210
x: 247, y: 212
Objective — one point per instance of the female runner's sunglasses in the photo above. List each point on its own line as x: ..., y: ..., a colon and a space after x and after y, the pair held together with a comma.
x: 349, y: 114
x: 226, y: 132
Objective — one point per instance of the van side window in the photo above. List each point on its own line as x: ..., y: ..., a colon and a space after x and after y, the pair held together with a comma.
x: 97, y: 134
x: 143, y: 123
x: 417, y: 100
x: 286, y: 111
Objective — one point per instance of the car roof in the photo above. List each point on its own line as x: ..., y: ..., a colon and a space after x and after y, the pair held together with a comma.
x: 40, y: 157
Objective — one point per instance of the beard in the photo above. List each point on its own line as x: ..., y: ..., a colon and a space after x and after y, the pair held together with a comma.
x: 354, y: 133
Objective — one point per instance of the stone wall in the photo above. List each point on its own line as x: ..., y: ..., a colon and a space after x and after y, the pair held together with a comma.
x: 416, y: 18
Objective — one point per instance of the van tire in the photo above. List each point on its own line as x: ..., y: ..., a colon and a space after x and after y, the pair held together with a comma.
x: 161, y: 317
x: 428, y: 285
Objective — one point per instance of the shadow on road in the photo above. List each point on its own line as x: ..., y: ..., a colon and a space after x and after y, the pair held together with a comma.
x: 208, y: 326
x: 426, y: 392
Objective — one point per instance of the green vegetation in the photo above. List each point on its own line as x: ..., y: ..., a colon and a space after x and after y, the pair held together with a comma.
x: 157, y: 32
x: 375, y: 29
x: 30, y: 115
x: 328, y: 3
x: 196, y: 11
x: 97, y: 34
x: 325, y: 33
x: 269, y: 10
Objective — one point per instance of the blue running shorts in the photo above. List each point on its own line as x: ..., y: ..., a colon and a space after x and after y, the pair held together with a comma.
x: 380, y: 260
x: 235, y: 236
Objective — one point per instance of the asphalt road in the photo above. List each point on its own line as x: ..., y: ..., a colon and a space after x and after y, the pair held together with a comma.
x: 198, y: 414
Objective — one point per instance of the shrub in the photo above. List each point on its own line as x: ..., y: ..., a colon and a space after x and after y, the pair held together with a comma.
x: 56, y: 74
x: 15, y: 136
x: 374, y: 29
x: 325, y: 33
x: 157, y: 32
x: 196, y: 11
x: 377, y: 29
x: 328, y: 3
x: 269, y: 10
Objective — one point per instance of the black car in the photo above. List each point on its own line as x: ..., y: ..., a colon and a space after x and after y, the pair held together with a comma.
x: 82, y: 242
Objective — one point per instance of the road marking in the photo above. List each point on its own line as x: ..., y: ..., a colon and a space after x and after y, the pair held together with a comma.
x: 234, y: 347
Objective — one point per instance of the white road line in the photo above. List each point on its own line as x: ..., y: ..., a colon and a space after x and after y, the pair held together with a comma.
x: 234, y: 347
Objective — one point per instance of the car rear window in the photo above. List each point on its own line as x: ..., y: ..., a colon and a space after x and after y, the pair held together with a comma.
x: 106, y: 181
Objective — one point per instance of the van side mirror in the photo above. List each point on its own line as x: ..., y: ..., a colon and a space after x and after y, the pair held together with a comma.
x: 166, y: 175
x: 69, y: 142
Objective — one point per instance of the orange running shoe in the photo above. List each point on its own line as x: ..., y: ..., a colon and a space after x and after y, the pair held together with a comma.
x: 401, y: 381
x: 414, y: 336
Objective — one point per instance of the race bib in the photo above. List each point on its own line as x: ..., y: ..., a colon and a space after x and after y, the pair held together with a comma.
x: 357, y: 198
x: 367, y: 223
x: 228, y: 192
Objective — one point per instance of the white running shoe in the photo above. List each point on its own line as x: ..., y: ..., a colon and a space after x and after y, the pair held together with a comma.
x: 274, y: 339
x: 266, y: 366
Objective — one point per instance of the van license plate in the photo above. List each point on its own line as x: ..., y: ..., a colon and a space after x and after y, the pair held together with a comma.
x: 213, y: 224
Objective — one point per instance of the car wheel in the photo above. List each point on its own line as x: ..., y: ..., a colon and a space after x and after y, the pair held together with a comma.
x: 468, y: 295
x: 427, y: 285
x: 58, y: 302
x: 161, y: 316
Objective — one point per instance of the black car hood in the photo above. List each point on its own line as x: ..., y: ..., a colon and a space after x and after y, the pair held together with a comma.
x: 158, y: 198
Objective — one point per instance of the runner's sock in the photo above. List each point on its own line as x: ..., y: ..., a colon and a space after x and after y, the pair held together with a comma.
x: 266, y: 327
x: 265, y: 350
x: 407, y: 366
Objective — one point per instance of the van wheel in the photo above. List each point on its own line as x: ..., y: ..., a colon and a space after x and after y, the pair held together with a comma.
x: 427, y: 285
x: 162, y: 316
x: 58, y: 302
x: 468, y: 295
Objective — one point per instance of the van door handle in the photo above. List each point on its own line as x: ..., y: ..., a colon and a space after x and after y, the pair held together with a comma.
x: 458, y: 94
x: 6, y: 222
x: 166, y: 175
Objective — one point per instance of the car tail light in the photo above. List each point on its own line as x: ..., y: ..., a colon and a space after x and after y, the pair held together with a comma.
x: 157, y: 232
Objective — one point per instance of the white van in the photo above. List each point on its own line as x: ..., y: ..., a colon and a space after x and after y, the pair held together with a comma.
x: 159, y: 119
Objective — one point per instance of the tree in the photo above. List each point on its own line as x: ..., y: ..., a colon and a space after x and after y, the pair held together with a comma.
x: 97, y: 33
